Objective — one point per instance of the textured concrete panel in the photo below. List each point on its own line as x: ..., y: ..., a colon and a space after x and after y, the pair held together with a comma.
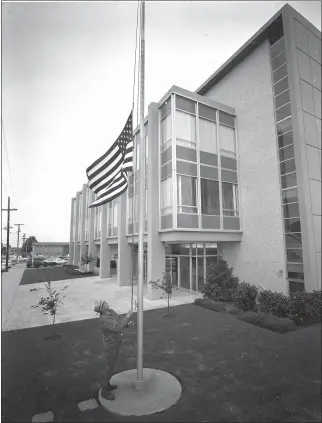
x: 318, y: 263
x: 317, y: 232
x: 315, y: 189
x: 260, y: 256
x: 313, y: 162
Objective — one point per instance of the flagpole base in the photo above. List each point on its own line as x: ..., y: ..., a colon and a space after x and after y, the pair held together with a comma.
x: 158, y: 392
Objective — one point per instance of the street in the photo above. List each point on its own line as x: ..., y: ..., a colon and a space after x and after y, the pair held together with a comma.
x: 10, y: 283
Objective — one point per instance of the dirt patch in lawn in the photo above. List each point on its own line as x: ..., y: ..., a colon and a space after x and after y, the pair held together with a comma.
x: 229, y: 370
x: 45, y: 274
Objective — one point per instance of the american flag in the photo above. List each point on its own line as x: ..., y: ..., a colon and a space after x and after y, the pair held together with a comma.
x: 108, y: 174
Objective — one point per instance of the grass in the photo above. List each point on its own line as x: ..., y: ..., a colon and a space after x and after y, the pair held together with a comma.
x: 230, y: 371
x: 47, y: 273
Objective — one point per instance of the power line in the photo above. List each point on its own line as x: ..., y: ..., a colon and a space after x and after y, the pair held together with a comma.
x: 5, y: 144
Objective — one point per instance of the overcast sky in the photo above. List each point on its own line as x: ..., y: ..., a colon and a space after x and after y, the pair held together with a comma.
x: 67, y: 79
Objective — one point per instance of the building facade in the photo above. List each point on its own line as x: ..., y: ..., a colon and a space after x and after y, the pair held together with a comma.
x: 232, y: 170
x: 51, y: 249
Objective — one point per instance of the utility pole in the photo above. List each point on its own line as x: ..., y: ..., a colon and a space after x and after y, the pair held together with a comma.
x: 23, y: 244
x: 8, y: 229
x: 18, y: 224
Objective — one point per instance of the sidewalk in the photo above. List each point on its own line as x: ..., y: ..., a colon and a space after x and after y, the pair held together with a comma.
x: 9, y: 284
x: 79, y: 302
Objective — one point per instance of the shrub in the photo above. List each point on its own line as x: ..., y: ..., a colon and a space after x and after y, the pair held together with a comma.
x: 220, y: 283
x: 306, y: 307
x: 268, y: 321
x: 274, y: 303
x: 37, y: 264
x: 245, y: 296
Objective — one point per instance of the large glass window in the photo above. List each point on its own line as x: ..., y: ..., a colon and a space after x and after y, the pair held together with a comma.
x: 166, y: 131
x: 187, y: 194
x: 207, y: 136
x: 185, y: 129
x: 230, y: 199
x: 210, y: 197
x: 115, y: 217
x: 227, y: 141
x: 166, y: 196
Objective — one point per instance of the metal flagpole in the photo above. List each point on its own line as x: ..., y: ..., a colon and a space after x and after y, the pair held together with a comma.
x: 141, y: 205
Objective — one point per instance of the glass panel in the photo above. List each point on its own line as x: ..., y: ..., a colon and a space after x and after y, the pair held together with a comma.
x: 185, y: 153
x: 210, y: 197
x: 166, y: 107
x: 289, y: 181
x: 291, y: 210
x: 166, y: 196
x: 296, y: 286
x: 187, y: 192
x: 295, y: 271
x: 285, y: 139
x: 226, y: 119
x: 229, y: 193
x: 184, y: 272
x: 295, y: 256
x: 166, y: 155
x: 282, y: 98
x: 200, y: 261
x: 280, y: 73
x: 283, y: 112
x: 227, y: 141
x: 211, y: 248
x: 290, y: 196
x: 288, y: 166
x: 292, y: 225
x: 210, y: 262
x: 278, y: 60
x: 166, y: 130
x: 194, y: 273
x: 281, y: 86
x: 207, y: 112
x: 284, y: 126
x: 277, y: 48
x: 185, y: 126
x: 293, y: 240
x: 185, y: 104
x: 207, y: 136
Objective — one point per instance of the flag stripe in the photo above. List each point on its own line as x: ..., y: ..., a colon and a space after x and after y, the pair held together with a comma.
x: 119, y: 179
x: 107, y: 157
x: 112, y: 193
x: 108, y: 175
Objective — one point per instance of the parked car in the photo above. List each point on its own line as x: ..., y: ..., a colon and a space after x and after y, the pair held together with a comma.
x: 59, y: 260
x: 3, y: 266
x: 50, y: 261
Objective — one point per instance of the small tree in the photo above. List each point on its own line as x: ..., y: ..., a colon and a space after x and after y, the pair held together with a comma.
x: 220, y: 283
x: 166, y: 286
x: 87, y: 259
x: 50, y: 304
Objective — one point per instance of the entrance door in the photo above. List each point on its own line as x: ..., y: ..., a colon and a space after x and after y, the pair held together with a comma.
x: 174, y: 271
x: 194, y: 272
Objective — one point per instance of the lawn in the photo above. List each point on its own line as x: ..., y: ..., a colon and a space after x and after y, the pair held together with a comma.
x: 44, y: 274
x: 230, y: 371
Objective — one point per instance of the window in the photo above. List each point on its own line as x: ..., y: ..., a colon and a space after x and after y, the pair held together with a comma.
x: 227, y: 141
x: 166, y: 196
x: 230, y: 199
x: 187, y: 194
x: 115, y: 217
x: 210, y: 197
x: 185, y: 129
x: 137, y: 152
x: 207, y: 136
x: 130, y: 209
x: 166, y: 131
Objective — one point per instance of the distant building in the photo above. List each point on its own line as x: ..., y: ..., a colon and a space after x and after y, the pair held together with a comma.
x: 51, y: 248
x: 232, y: 170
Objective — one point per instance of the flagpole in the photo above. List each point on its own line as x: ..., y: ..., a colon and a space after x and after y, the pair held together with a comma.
x: 141, y: 204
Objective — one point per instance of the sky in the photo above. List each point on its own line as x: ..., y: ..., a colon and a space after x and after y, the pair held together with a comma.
x: 67, y: 86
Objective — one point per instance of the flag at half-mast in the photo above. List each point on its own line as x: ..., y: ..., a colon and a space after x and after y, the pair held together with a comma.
x: 107, y: 176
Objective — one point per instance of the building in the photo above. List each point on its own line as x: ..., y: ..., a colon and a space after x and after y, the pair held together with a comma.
x: 231, y: 170
x: 51, y: 249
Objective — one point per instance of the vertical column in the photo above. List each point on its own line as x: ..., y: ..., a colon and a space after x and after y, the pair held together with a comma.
x: 156, y: 249
x: 124, y: 248
x: 105, y: 252
x: 82, y: 222
x: 71, y: 233
x: 76, y: 243
x: 91, y: 246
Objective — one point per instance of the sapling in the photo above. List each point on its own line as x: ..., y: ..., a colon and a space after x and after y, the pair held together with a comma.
x: 50, y: 304
x: 166, y: 286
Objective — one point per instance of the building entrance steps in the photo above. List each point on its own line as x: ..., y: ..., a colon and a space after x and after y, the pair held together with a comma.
x: 78, y: 304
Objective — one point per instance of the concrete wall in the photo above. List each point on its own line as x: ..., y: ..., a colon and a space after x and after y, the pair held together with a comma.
x: 260, y: 256
x: 303, y: 48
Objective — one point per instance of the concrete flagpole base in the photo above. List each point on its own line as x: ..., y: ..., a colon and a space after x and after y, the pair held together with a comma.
x: 158, y: 392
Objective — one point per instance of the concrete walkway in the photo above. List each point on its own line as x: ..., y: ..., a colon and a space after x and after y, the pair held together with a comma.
x: 79, y: 302
x: 9, y: 284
